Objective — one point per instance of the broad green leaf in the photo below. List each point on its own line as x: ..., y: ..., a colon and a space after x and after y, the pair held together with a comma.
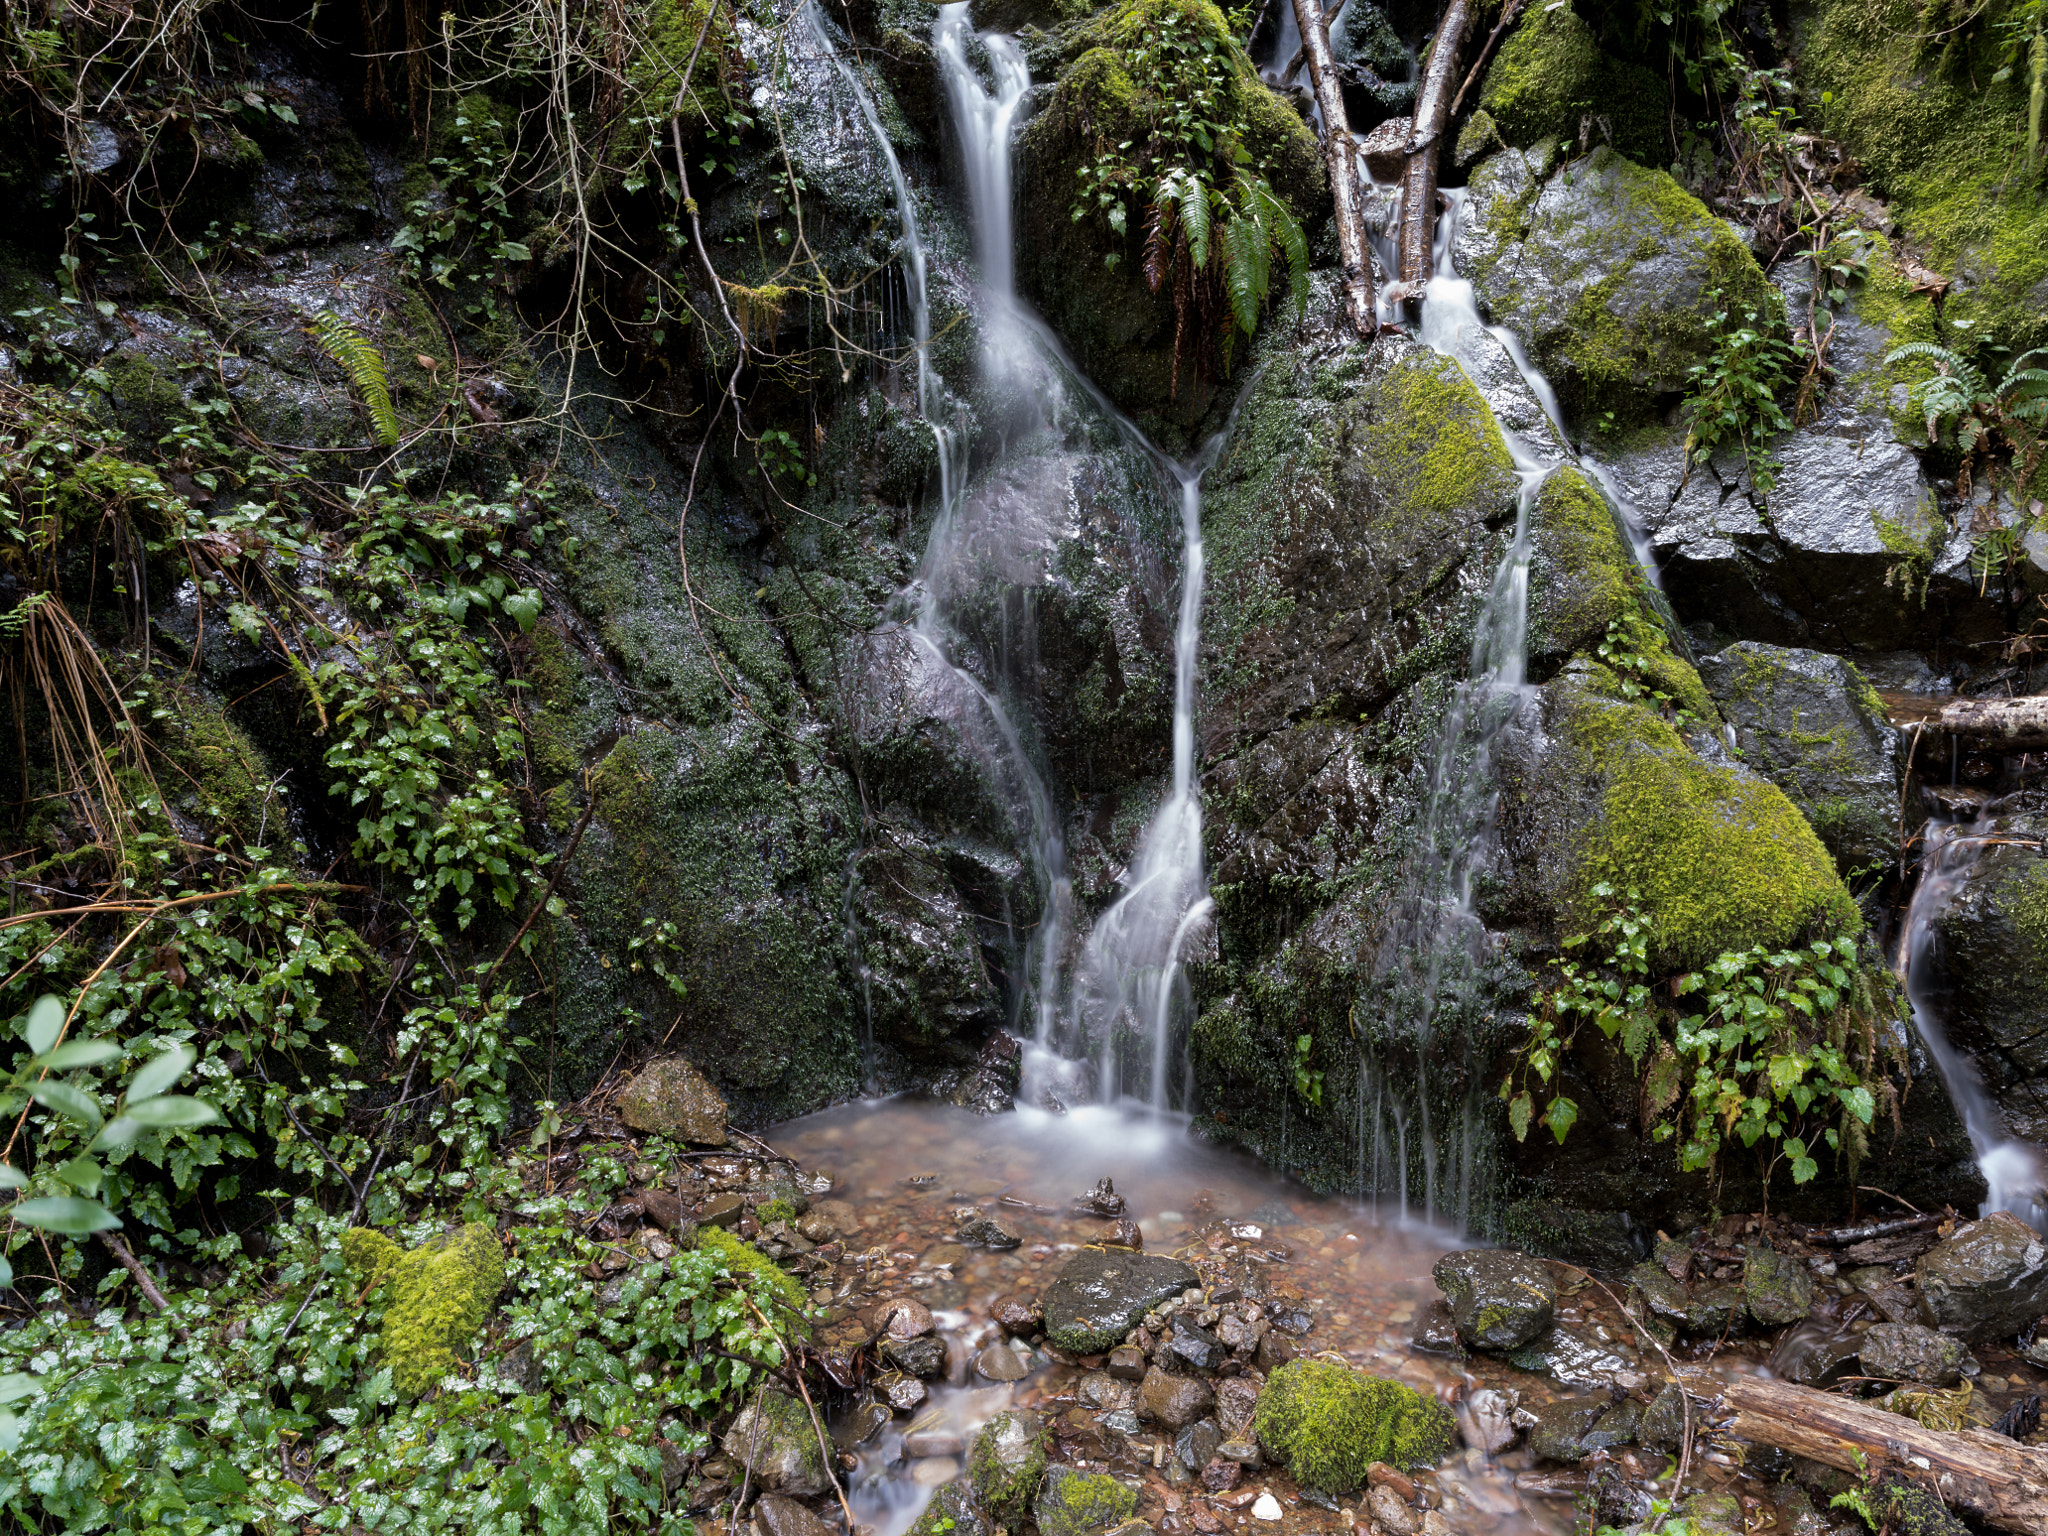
x: 121, y: 1131
x: 68, y: 1101
x: 45, y: 1022
x: 1561, y: 1116
x: 173, y: 1110
x: 83, y: 1175
x: 154, y: 1077
x: 1520, y: 1109
x: 80, y: 1053
x: 12, y: 1177
x: 66, y: 1214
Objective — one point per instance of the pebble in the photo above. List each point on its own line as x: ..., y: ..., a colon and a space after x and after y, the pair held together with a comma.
x: 999, y: 1362
x: 932, y: 1442
x: 1267, y: 1508
x: 934, y: 1471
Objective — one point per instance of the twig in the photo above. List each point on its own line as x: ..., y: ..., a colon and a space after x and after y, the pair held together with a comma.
x: 129, y: 1262
x: 1507, y: 19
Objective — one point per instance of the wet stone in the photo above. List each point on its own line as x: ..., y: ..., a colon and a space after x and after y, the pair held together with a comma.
x: 1236, y: 1401
x: 1390, y: 1512
x: 984, y: 1231
x: 860, y: 1425
x: 1017, y: 1314
x: 1498, y: 1299
x: 906, y: 1318
x: 1073, y: 1503
x: 1662, y: 1426
x: 1221, y: 1474
x: 1127, y: 1363
x: 951, y: 1512
x: 1776, y: 1289
x: 1099, y: 1296
x: 1572, y: 1428
x: 924, y: 1356
x: 1098, y: 1389
x: 1435, y: 1330
x: 902, y: 1392
x: 1910, y: 1352
x: 1575, y: 1357
x: 1195, y: 1344
x: 1121, y: 1234
x: 1007, y: 1462
x: 999, y: 1362
x: 1988, y: 1281
x: 773, y: 1438
x: 1486, y: 1419
x: 1196, y: 1445
x: 722, y: 1211
x: 780, y: 1515
x: 672, y: 1098
x: 1273, y: 1352
x: 932, y: 1442
x: 1173, y: 1401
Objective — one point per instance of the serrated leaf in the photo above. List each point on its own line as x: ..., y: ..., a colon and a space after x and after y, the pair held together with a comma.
x: 1561, y: 1116
x: 1521, y: 1109
x: 65, y: 1214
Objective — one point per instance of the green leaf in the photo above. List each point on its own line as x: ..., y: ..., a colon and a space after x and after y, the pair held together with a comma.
x: 173, y: 1110
x: 155, y: 1076
x: 524, y: 607
x: 68, y: 1101
x: 82, y: 1174
x: 12, y: 1177
x: 66, y: 1214
x: 1561, y: 1116
x: 121, y: 1131
x: 1521, y: 1108
x: 44, y: 1023
x: 79, y: 1053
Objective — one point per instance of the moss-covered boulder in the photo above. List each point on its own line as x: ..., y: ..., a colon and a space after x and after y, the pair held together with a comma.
x: 1776, y: 1289
x: 1006, y: 1462
x: 785, y: 1299
x: 1611, y: 273
x: 953, y: 1511
x: 1499, y: 1300
x: 1551, y: 80
x: 438, y: 1297
x: 774, y: 1438
x: 1328, y: 1423
x: 1074, y: 1503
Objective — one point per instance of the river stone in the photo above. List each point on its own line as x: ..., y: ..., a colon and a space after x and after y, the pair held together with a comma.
x: 999, y: 1362
x: 1988, y: 1281
x: 1576, y: 1357
x: 1572, y: 1428
x: 1196, y: 1445
x: 952, y: 1512
x: 671, y: 1098
x: 984, y: 1231
x: 1499, y: 1300
x: 1810, y: 724
x: 1910, y: 1352
x: 1006, y: 1463
x: 1173, y: 1401
x: 922, y: 1356
x: 1100, y: 1296
x: 780, y: 1515
x: 1075, y: 1503
x: 1662, y: 1425
x: 774, y: 1439
x: 1435, y: 1329
x: 1777, y: 1290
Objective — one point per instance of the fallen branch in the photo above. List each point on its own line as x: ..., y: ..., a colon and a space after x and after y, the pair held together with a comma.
x: 1507, y: 19
x: 2003, y: 725
x: 2001, y: 1482
x: 1841, y: 1237
x: 1432, y: 113
x: 1353, y: 253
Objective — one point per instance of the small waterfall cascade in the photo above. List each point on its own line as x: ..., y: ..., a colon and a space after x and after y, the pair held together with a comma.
x: 2015, y: 1174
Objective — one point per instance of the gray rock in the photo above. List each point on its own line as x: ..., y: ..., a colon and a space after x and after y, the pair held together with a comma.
x: 1201, y: 1349
x: 1576, y: 1357
x: 1007, y: 1462
x: 1435, y: 1330
x: 1988, y: 1281
x: 672, y: 1098
x: 1775, y: 1289
x: 1993, y: 949
x: 1198, y: 1444
x: 1572, y: 1428
x: 952, y: 1512
x: 1498, y: 1299
x: 922, y: 1356
x: 984, y: 1231
x: 1487, y: 1420
x: 774, y: 1439
x: 1810, y: 724
x: 1099, y: 1296
x: 1662, y: 1425
x: 1910, y: 1352
x: 780, y: 1515
x: 1173, y: 1401
x: 1817, y: 1352
x: 999, y: 1362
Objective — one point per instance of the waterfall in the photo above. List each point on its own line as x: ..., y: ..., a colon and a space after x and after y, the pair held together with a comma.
x: 2014, y: 1173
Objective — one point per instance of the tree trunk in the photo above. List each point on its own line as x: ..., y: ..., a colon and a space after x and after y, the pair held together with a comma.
x: 1432, y: 112
x: 2003, y: 725
x: 1507, y: 19
x: 2000, y: 1481
x: 1342, y: 158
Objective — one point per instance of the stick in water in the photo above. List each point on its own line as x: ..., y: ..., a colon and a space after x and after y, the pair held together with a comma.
x: 1432, y: 113
x: 1342, y: 158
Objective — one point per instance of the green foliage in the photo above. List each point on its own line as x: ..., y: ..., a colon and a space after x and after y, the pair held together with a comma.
x: 1329, y: 1423
x: 439, y: 1295
x: 1633, y: 646
x: 1737, y: 390
x: 1984, y: 423
x: 1308, y: 1083
x: 1780, y: 1055
x: 364, y: 364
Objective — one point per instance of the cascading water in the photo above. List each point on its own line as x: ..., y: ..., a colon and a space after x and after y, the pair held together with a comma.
x: 2015, y: 1177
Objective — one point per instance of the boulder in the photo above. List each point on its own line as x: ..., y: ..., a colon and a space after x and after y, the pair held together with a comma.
x: 1075, y: 1503
x: 1662, y: 1426
x: 1498, y: 1299
x: 1551, y: 80
x: 1811, y: 724
x: 923, y: 1356
x: 1910, y: 1352
x: 1006, y: 1463
x: 780, y: 1515
x: 1173, y: 1401
x: 1775, y: 1289
x: 773, y: 1437
x: 1987, y: 1282
x: 1099, y: 1296
x: 952, y: 1512
x: 1576, y: 1357
x: 1572, y: 1428
x: 1329, y: 1423
x: 671, y: 1098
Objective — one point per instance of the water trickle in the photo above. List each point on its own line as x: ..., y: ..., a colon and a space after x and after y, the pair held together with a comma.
x: 2015, y: 1174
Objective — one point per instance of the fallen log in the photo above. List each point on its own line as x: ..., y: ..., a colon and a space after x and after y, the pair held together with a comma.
x: 1432, y: 113
x: 1508, y: 13
x: 2001, y: 1482
x: 1339, y: 153
x: 2003, y: 725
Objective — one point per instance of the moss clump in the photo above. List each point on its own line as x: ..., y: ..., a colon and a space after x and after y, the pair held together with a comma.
x: 1006, y: 1462
x: 1587, y: 576
x: 1551, y: 77
x: 1329, y: 1423
x: 440, y: 1293
x: 1433, y: 444
x: 215, y: 773
x: 746, y: 1262
x: 1077, y: 1503
x: 1721, y: 860
x: 774, y: 1210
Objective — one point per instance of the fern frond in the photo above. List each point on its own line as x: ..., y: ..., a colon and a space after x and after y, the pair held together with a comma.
x: 1240, y: 275
x: 364, y: 365
x: 1194, y: 218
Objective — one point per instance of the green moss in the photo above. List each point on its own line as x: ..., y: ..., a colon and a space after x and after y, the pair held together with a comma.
x: 439, y: 1294
x: 774, y: 1210
x: 745, y: 1260
x: 1722, y: 861
x: 1329, y: 1423
x: 1006, y: 1483
x: 145, y: 395
x: 1550, y: 76
x: 216, y: 774
x: 1078, y: 1503
x: 1433, y: 444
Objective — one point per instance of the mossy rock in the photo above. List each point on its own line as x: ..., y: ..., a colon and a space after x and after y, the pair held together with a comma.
x: 790, y: 1305
x: 439, y: 1295
x: 1550, y: 80
x: 776, y: 1440
x: 1006, y: 1461
x: 1076, y: 1503
x: 1329, y: 1423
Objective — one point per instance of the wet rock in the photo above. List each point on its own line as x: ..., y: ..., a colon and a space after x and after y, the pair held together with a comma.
x: 1173, y: 1401
x: 780, y: 1515
x: 1818, y: 1351
x: 774, y: 1439
x: 1499, y: 1300
x: 860, y: 1424
x: 1245, y: 1452
x: 952, y: 1512
x: 1988, y: 1281
x: 1811, y: 725
x: 1099, y: 1389
x: 1700, y: 1309
x: 1573, y: 1428
x: 1221, y: 1475
x: 1196, y: 1345
x: 1486, y: 1419
x: 1392, y: 1512
x: 722, y: 1211
x: 1017, y: 1314
x: 1197, y: 1444
x: 664, y: 1210
x: 1126, y: 1363
x: 1075, y: 1503
x: 1121, y: 1234
x: 672, y: 1098
x: 1239, y: 1335
x: 999, y: 1362
x: 1662, y: 1425
x: 1007, y: 1462
x: 984, y: 1231
x: 1236, y: 1401
x: 1777, y: 1290
x: 1435, y: 1329
x: 1098, y: 1297
x: 1102, y: 1200
x: 1576, y: 1357
x: 902, y: 1392
x: 1910, y: 1352
x: 1994, y: 947
x: 1272, y: 1353
x: 905, y: 1317
x: 925, y: 1356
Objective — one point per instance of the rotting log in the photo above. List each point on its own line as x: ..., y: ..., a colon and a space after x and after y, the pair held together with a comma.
x: 2000, y: 1481
x: 2003, y: 725
x: 1341, y: 155
x: 1432, y: 113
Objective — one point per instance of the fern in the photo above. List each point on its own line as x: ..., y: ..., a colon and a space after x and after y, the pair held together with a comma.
x: 364, y: 365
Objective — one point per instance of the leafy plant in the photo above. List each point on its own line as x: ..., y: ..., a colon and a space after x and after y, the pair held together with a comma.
x: 1980, y: 420
x: 1212, y: 248
x: 364, y: 364
x: 1736, y: 391
x: 1627, y: 647
x: 1307, y: 1083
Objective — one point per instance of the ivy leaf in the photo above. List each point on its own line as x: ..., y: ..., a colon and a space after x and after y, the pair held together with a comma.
x: 1561, y: 1116
x: 1520, y: 1110
x: 524, y: 606
x: 1859, y: 1102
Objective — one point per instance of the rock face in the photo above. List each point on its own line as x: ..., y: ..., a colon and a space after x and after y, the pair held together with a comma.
x: 1987, y: 1282
x: 773, y: 1437
x: 1098, y: 1297
x: 1810, y: 723
x: 1909, y: 1352
x: 1550, y: 80
x: 1499, y: 1300
x: 672, y: 1098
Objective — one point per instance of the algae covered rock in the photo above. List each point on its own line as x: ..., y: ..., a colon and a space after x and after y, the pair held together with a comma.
x: 773, y: 1437
x: 1079, y: 1503
x: 1099, y: 1295
x: 672, y: 1098
x: 440, y: 1293
x: 1573, y: 1428
x: 1911, y: 1352
x: 1499, y: 1300
x: 1551, y: 80
x: 1777, y: 1290
x: 1006, y: 1461
x: 952, y: 1512
x: 1330, y: 1423
x: 1987, y: 1281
